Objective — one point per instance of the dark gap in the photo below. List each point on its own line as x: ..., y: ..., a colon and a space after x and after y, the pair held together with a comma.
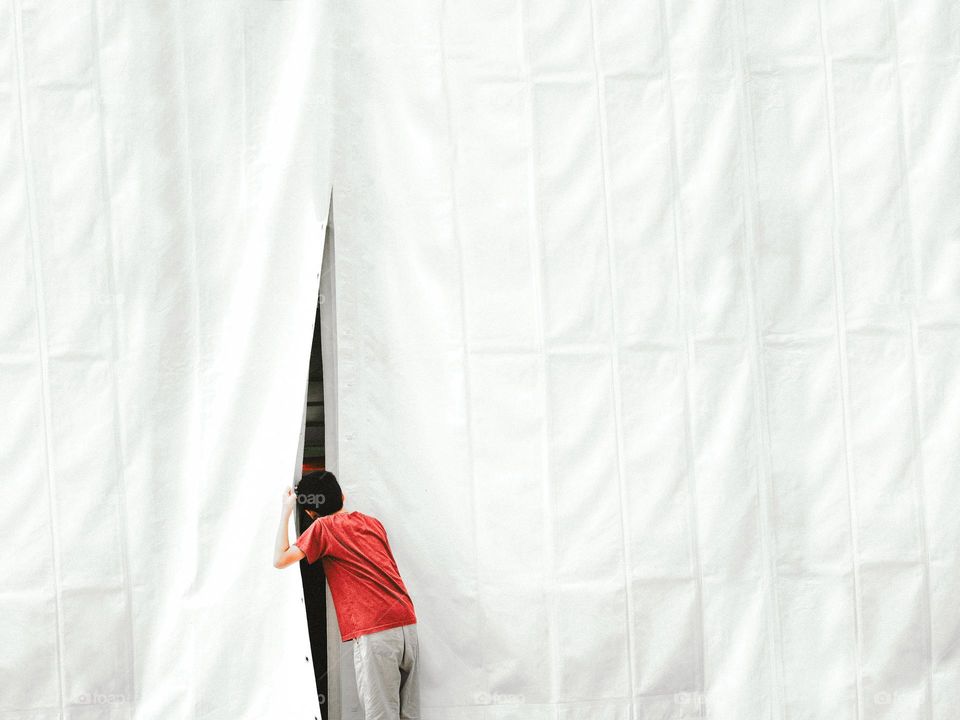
x: 314, y: 458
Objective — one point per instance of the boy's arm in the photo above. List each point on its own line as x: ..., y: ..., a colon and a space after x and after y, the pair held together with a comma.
x: 283, y: 553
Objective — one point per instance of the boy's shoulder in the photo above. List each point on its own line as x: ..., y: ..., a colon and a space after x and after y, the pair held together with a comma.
x: 351, y: 515
x: 365, y: 518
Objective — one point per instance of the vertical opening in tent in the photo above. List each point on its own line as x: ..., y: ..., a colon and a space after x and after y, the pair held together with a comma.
x: 320, y: 397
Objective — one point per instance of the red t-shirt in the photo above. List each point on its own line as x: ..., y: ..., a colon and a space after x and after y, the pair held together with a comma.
x: 367, y: 591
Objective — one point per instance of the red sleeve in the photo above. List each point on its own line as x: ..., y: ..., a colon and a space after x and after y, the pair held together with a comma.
x: 313, y: 541
x: 386, y: 540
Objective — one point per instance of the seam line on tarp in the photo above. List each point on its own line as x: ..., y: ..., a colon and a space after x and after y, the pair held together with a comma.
x: 689, y: 356
x: 841, y: 340
x: 465, y: 337
x: 613, y: 349
x: 41, y: 319
x: 195, y: 683
x: 915, y: 390
x: 115, y: 350
x: 765, y: 488
x: 537, y: 277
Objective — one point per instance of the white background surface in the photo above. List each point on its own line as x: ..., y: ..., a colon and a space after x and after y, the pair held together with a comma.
x: 649, y: 350
x: 648, y: 329
x: 162, y: 200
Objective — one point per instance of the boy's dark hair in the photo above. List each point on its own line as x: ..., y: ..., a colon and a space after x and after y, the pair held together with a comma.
x: 319, y: 491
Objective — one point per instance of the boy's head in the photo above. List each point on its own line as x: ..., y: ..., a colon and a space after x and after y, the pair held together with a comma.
x: 319, y: 493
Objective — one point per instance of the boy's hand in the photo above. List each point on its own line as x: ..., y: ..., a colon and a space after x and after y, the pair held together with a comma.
x: 283, y: 553
x: 289, y: 500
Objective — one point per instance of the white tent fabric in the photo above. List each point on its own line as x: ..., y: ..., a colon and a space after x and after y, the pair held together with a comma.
x: 647, y: 348
x: 163, y: 198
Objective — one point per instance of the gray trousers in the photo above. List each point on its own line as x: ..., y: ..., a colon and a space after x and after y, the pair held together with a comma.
x: 387, y: 671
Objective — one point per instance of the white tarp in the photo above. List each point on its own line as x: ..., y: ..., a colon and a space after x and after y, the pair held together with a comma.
x: 162, y: 206
x: 647, y: 350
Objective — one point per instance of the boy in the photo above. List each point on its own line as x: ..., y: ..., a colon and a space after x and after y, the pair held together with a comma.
x: 373, y: 608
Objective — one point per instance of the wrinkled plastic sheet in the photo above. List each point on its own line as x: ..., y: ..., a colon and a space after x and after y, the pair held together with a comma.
x: 648, y: 350
x: 163, y: 196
